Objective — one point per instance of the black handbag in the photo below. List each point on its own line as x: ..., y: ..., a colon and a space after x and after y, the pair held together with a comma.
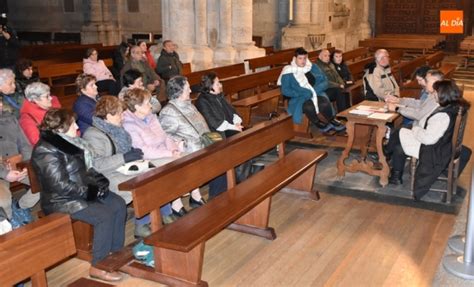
x: 97, y: 185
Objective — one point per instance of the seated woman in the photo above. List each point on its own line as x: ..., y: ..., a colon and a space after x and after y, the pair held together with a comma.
x: 24, y: 74
x: 104, y: 79
x: 61, y: 161
x: 299, y: 82
x: 119, y: 58
x: 156, y: 144
x: 147, y: 54
x: 133, y: 79
x: 11, y: 99
x: 341, y: 67
x: 38, y: 102
x: 429, y: 140
x: 84, y: 106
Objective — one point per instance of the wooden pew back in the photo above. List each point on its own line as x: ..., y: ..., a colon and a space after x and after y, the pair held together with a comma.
x: 26, y: 252
x: 357, y: 68
x: 256, y: 80
x: 352, y: 55
x: 280, y: 58
x: 434, y: 60
x: 407, y: 69
x: 159, y: 186
x: 395, y: 43
x: 186, y: 69
x: 223, y: 72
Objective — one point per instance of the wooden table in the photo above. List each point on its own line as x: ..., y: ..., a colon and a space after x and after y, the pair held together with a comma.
x: 361, y: 127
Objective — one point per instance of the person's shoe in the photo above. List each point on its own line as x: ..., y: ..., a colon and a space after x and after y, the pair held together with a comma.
x: 336, y: 123
x: 167, y: 219
x: 195, y: 203
x: 395, y: 177
x: 339, y: 128
x: 180, y: 213
x: 104, y: 275
x: 256, y: 167
x: 142, y: 231
x: 326, y: 128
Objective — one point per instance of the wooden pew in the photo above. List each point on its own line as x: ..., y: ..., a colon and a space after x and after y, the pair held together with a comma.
x: 395, y: 43
x: 266, y: 102
x: 412, y: 89
x: 434, y: 60
x: 83, y: 232
x: 179, y: 247
x: 396, y: 56
x: 28, y: 251
x: 353, y: 55
x: 223, y: 72
x: 186, y: 69
x: 274, y: 60
x: 406, y: 69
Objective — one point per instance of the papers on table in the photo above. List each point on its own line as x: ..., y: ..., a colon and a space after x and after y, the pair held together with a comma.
x: 371, y: 109
x: 360, y: 112
x: 371, y: 112
x: 380, y: 116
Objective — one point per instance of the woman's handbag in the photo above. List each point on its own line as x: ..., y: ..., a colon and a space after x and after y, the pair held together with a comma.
x: 206, y: 138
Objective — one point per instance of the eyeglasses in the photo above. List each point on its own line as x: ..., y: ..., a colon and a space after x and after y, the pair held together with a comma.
x: 46, y: 96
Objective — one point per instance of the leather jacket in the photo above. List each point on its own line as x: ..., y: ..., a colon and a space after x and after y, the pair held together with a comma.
x: 60, y: 169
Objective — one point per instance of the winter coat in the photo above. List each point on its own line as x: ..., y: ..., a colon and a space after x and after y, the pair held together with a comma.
x: 343, y: 70
x: 334, y: 80
x: 168, y: 65
x: 9, y: 49
x: 12, y: 103
x: 381, y: 81
x: 148, y: 135
x: 149, y: 76
x: 61, y: 168
x: 31, y: 115
x: 12, y: 141
x: 98, y: 69
x: 84, y: 107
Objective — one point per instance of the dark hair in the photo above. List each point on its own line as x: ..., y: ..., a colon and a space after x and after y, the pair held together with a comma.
x: 122, y: 48
x: 82, y: 80
x: 175, y: 87
x: 134, y: 97
x: 130, y: 76
x: 166, y: 42
x: 108, y: 105
x: 449, y: 93
x: 23, y: 64
x: 336, y: 52
x: 421, y: 71
x: 207, y: 81
x: 300, y: 51
x: 57, y: 120
x: 140, y: 42
x: 90, y: 51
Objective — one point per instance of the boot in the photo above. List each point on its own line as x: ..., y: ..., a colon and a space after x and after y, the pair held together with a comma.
x: 256, y: 167
x: 142, y: 231
x: 396, y: 177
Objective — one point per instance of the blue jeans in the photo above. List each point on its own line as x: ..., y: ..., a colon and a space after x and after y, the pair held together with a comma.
x: 108, y: 218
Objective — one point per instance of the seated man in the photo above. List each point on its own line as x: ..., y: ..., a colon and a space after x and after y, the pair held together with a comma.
x: 335, y: 89
x: 299, y: 82
x: 378, y: 79
x: 13, y: 142
x: 415, y: 109
x: 169, y: 64
x: 151, y: 80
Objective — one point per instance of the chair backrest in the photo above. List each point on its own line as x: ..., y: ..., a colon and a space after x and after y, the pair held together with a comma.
x: 458, y: 134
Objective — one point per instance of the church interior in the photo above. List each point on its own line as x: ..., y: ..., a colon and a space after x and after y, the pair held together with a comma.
x: 325, y: 210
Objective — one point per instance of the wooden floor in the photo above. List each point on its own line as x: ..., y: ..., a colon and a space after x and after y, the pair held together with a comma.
x: 337, y: 241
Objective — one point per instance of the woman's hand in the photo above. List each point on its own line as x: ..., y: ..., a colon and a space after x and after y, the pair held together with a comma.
x: 176, y: 153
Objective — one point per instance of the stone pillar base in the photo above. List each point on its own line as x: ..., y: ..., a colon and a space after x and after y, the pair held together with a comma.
x: 92, y: 33
x: 248, y: 51
x: 186, y: 54
x: 224, y: 56
x: 113, y: 34
x: 202, y: 58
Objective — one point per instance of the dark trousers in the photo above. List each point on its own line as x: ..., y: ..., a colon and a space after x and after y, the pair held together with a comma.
x: 395, y: 151
x: 217, y: 186
x: 110, y: 86
x: 340, y: 97
x: 108, y: 218
x: 325, y: 110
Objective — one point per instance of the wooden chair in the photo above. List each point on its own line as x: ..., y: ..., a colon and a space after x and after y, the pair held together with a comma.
x: 450, y: 175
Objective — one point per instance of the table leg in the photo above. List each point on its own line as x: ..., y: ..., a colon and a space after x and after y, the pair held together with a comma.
x: 381, y: 130
x: 345, y: 154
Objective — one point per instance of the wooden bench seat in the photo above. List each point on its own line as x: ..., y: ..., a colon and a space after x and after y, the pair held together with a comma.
x: 395, y: 43
x: 266, y: 103
x: 223, y: 72
x: 179, y: 247
x: 352, y: 55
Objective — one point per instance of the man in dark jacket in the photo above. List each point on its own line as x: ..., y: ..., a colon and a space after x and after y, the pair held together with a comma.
x: 9, y: 47
x: 335, y: 90
x: 168, y: 64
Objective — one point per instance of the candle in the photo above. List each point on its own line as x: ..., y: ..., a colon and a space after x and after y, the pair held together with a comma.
x: 291, y: 11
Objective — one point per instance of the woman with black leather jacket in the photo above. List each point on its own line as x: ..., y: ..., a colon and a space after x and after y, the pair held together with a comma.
x: 61, y: 161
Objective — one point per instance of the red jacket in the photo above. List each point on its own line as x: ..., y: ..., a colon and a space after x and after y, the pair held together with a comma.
x: 150, y: 60
x: 31, y: 115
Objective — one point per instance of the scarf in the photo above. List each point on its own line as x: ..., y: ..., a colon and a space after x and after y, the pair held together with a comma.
x: 299, y: 74
x: 83, y: 145
x: 121, y: 139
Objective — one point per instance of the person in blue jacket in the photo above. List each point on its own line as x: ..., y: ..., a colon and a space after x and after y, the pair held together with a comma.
x: 303, y: 83
x: 84, y: 106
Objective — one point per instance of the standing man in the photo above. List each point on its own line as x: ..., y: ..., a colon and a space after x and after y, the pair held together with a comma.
x: 168, y: 64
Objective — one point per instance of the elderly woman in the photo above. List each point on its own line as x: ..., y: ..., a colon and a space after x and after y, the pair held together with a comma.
x: 429, y: 140
x: 38, y: 102
x: 24, y: 74
x: 93, y: 66
x: 85, y: 104
x: 12, y: 100
x: 148, y: 135
x: 219, y: 114
x: 133, y: 79
x: 62, y: 161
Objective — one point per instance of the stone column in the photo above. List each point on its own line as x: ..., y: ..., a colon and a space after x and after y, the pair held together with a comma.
x: 93, y: 30
x: 302, y: 12
x: 202, y: 53
x: 179, y: 27
x: 224, y: 53
x: 242, y: 31
x: 365, y: 29
x: 112, y: 36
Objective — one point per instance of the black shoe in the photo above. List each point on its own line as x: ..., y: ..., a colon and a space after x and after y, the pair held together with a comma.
x: 182, y: 212
x: 336, y: 123
x: 396, y: 177
x: 195, y: 204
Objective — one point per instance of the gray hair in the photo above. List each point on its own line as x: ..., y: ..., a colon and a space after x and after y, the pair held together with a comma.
x: 436, y: 73
x: 5, y: 75
x: 35, y: 90
x: 379, y: 54
x: 175, y: 87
